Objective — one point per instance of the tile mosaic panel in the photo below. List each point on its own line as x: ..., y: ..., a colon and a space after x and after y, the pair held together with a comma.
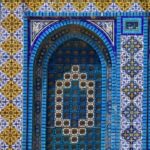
x: 11, y: 53
x: 39, y: 25
x: 132, y: 25
x: 131, y: 91
x: 107, y: 26
x: 79, y: 75
x: 11, y: 45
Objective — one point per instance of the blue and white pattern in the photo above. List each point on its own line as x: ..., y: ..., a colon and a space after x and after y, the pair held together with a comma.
x: 125, y: 59
x: 113, y: 8
x: 38, y: 25
x: 68, y: 8
x: 131, y: 101
x: 107, y: 26
x: 135, y: 8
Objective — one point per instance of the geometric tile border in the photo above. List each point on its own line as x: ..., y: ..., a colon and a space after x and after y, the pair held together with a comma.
x: 131, y: 91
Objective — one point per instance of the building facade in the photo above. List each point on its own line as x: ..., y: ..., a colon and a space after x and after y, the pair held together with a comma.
x: 74, y: 75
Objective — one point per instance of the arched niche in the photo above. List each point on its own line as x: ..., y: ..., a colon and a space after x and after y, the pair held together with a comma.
x: 74, y: 97
x: 43, y: 49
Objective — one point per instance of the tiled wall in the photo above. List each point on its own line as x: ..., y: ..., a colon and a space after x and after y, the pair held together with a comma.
x: 11, y: 64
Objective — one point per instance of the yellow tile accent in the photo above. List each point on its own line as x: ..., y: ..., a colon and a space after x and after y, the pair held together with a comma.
x: 11, y: 90
x: 124, y: 5
x: 11, y: 68
x: 102, y: 4
x: 11, y: 5
x: 11, y: 45
x: 145, y: 4
x: 34, y: 5
x: 11, y: 23
x: 79, y: 5
x: 10, y: 135
x: 10, y: 112
x: 58, y: 6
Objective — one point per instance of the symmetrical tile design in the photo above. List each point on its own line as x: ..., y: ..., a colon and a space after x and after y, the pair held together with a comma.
x: 131, y: 112
x: 10, y: 90
x: 11, y: 23
x: 84, y: 84
x: 10, y: 109
x: 37, y: 26
x: 122, y: 5
x: 131, y: 91
x: 132, y: 68
x: 74, y: 98
x: 11, y: 5
x: 107, y: 26
x: 11, y: 66
x: 131, y: 135
x: 34, y: 6
x: 10, y: 135
x: 11, y: 45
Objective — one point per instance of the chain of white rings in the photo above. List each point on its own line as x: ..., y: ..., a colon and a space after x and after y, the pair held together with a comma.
x: 84, y: 84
